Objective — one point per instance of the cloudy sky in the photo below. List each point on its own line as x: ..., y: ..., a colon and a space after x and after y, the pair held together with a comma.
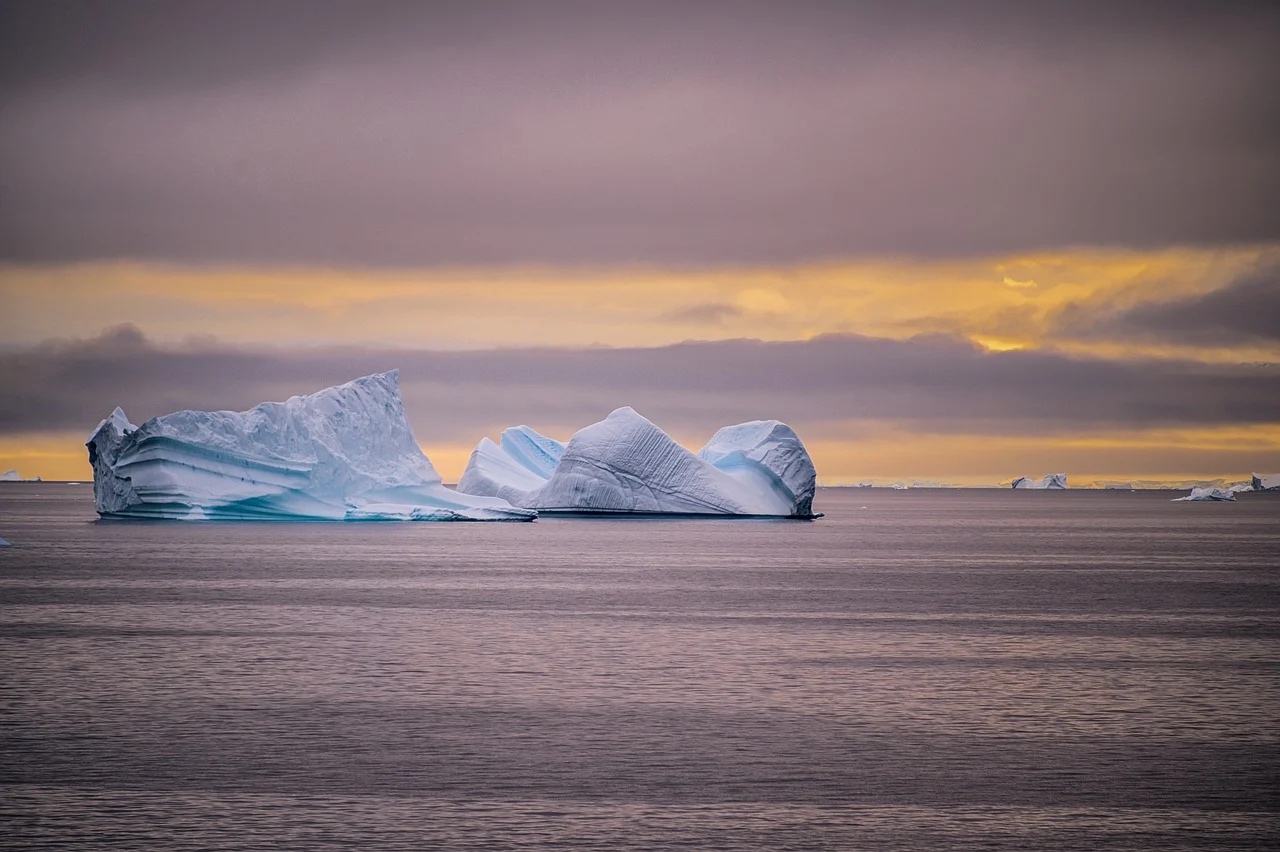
x: 956, y: 242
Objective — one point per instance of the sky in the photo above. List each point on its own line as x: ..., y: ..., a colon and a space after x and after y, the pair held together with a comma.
x: 946, y: 242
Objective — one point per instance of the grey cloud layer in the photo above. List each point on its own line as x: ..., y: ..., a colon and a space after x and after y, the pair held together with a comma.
x: 1245, y: 311
x: 412, y: 133
x: 935, y: 384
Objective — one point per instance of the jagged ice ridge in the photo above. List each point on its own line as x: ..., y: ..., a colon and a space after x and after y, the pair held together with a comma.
x: 343, y: 453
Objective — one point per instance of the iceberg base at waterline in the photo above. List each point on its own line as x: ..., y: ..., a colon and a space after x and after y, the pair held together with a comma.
x: 343, y: 453
x: 627, y: 465
x: 1208, y: 495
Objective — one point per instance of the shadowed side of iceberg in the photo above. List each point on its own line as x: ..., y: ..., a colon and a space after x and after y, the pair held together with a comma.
x: 343, y: 453
x: 626, y: 464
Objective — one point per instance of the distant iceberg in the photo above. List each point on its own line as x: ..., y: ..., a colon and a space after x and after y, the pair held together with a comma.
x: 3, y: 543
x: 1051, y: 480
x: 1266, y: 482
x: 344, y: 453
x: 626, y: 464
x: 10, y: 476
x: 1205, y: 495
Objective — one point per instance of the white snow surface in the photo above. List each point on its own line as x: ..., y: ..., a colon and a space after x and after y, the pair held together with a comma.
x: 1051, y: 480
x: 1205, y: 495
x: 1266, y: 482
x: 625, y: 463
x: 343, y: 453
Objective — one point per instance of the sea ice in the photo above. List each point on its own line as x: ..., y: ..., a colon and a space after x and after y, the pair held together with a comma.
x: 1266, y: 482
x: 344, y: 453
x: 1205, y: 495
x: 3, y: 543
x: 1051, y: 480
x: 625, y: 463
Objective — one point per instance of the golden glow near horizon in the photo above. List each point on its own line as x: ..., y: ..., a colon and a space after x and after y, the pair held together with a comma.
x: 1000, y: 303
x: 882, y: 453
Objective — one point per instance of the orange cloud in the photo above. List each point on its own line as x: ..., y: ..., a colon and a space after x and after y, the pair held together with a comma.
x: 466, y: 308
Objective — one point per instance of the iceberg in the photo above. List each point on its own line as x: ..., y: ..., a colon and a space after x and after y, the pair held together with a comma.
x: 3, y: 543
x: 626, y: 464
x: 1205, y: 495
x: 344, y: 453
x: 1051, y: 480
x: 1266, y: 482
x: 10, y: 476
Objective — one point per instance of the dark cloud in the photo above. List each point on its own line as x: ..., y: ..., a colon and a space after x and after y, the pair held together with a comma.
x: 935, y: 384
x: 1245, y: 311
x: 427, y: 133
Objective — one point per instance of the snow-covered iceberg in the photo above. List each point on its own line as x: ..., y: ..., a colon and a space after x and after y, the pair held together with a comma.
x: 10, y: 476
x: 344, y: 453
x: 1205, y: 495
x: 626, y: 464
x: 1051, y: 480
x: 1266, y: 482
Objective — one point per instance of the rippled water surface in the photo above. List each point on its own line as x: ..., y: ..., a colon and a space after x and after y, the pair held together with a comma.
x: 939, y: 669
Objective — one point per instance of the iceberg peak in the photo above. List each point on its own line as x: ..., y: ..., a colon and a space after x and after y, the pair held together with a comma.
x: 345, y: 452
x: 627, y: 464
x: 1051, y: 481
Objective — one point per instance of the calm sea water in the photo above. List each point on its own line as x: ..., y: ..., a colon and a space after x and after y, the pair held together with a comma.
x: 919, y: 669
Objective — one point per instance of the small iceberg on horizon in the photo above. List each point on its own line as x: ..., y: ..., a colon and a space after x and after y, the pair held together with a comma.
x: 343, y: 453
x: 1051, y: 481
x: 627, y: 465
x: 1207, y: 495
x: 1266, y: 482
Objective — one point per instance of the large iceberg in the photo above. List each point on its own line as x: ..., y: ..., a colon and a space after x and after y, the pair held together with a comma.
x: 626, y: 464
x: 1266, y: 482
x: 1051, y: 480
x: 344, y: 453
x: 1207, y: 495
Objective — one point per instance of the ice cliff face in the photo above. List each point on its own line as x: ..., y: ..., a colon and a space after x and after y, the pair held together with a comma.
x: 1205, y: 495
x: 344, y: 453
x: 1266, y: 482
x: 625, y: 463
x: 1051, y: 480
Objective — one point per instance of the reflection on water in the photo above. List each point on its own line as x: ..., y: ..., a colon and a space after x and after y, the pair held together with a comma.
x: 947, y: 669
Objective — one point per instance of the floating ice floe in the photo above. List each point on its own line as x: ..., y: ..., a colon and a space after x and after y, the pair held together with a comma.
x: 3, y: 543
x: 1240, y: 487
x: 1206, y: 495
x: 1266, y: 482
x: 344, y: 453
x: 1051, y: 480
x: 626, y: 464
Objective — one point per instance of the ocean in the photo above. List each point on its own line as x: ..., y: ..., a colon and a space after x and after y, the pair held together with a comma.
x: 921, y: 669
